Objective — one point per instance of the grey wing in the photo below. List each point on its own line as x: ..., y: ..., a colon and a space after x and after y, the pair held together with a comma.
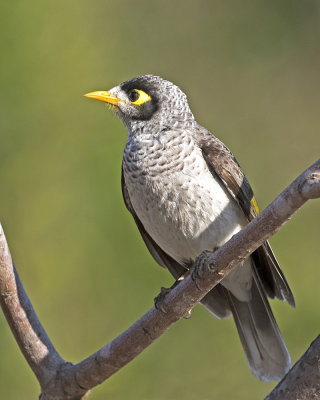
x: 223, y: 164
x: 215, y: 300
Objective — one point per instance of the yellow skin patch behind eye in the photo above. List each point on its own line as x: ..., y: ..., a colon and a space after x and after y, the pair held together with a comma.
x: 143, y: 98
x: 254, y: 205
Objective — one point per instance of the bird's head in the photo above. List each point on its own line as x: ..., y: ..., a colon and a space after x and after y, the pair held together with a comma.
x: 148, y: 101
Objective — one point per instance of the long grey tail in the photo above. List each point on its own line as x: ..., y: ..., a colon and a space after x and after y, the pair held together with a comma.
x: 264, y: 347
x: 261, y: 339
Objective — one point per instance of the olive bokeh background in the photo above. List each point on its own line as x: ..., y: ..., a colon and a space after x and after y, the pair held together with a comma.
x: 251, y: 73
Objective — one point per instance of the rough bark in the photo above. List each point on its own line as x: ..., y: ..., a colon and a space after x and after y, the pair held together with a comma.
x: 303, y: 380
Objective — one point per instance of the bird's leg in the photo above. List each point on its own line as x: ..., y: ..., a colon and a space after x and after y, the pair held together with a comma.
x: 158, y: 300
x: 196, y: 275
x: 199, y: 265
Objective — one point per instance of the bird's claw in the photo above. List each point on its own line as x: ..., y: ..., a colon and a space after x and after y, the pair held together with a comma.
x: 158, y: 300
x: 199, y: 266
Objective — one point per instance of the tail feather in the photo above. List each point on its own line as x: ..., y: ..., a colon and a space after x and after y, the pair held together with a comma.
x: 264, y: 347
x: 217, y: 302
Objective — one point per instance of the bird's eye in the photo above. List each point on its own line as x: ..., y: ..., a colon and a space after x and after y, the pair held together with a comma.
x: 133, y: 96
x: 138, y: 97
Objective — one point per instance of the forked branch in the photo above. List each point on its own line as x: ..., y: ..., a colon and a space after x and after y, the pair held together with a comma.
x: 62, y: 380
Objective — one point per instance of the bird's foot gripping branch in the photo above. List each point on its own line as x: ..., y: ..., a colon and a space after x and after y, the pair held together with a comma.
x: 200, y: 265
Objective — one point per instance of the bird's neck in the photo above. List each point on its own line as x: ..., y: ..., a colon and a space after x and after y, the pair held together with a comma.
x: 161, y: 123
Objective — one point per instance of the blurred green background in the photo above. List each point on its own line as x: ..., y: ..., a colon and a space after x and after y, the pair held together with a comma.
x: 251, y: 73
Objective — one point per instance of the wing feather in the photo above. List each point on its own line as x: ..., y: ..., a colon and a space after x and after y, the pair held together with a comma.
x: 224, y: 165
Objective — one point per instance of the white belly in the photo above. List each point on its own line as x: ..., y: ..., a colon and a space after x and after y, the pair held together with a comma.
x: 189, y: 211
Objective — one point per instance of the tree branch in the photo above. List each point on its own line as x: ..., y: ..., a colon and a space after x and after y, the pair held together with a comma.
x: 24, y: 323
x: 62, y: 380
x: 303, y: 380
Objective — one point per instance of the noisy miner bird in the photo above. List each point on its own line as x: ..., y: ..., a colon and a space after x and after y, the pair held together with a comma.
x: 187, y: 194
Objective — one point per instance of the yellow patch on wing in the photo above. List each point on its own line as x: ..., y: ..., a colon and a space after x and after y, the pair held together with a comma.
x: 254, y: 205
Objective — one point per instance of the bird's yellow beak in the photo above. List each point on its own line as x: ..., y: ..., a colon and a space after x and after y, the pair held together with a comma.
x: 104, y: 96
